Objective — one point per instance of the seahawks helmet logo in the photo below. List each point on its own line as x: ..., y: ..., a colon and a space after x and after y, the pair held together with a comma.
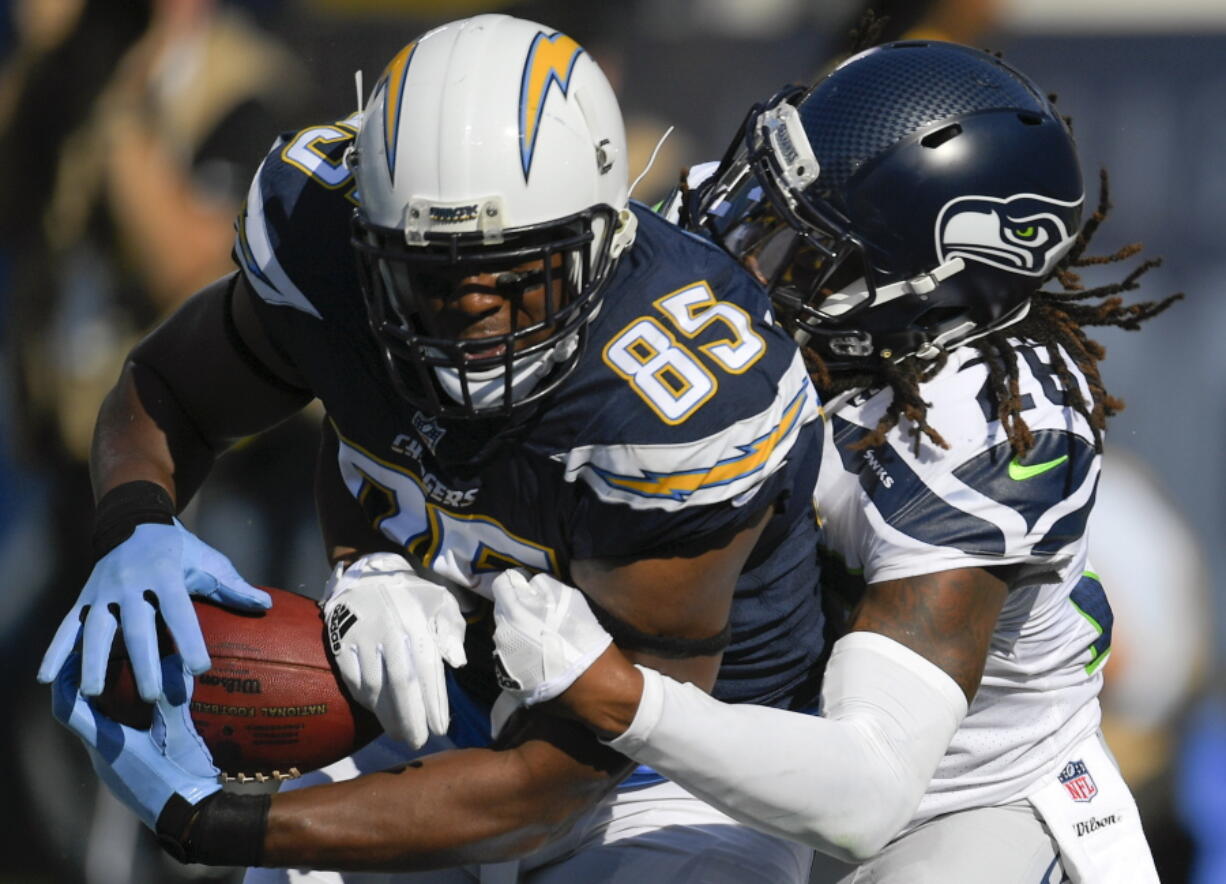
x: 1025, y: 233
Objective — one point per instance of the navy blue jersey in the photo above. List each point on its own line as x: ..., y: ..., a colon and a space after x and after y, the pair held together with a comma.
x: 688, y: 414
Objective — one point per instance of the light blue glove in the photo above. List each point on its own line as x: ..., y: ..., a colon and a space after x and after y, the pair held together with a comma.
x: 143, y: 769
x: 163, y: 562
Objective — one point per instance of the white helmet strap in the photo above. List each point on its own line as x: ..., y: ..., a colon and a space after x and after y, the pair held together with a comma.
x: 856, y: 293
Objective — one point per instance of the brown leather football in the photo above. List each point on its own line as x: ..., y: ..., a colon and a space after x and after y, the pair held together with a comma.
x: 272, y: 705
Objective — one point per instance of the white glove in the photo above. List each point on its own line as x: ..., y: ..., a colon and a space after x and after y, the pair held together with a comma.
x: 546, y: 636
x: 390, y: 632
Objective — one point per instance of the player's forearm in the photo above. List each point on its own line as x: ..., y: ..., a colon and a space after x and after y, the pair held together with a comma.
x: 845, y: 784
x: 453, y: 808
x: 607, y: 695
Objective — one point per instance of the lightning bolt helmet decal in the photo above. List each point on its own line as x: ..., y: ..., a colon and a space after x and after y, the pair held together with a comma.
x: 551, y: 59
x: 392, y: 80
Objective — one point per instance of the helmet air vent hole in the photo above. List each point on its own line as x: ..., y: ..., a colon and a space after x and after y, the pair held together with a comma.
x: 940, y: 136
x: 1030, y: 119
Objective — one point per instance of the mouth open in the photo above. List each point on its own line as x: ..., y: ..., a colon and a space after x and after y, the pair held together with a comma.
x: 472, y: 355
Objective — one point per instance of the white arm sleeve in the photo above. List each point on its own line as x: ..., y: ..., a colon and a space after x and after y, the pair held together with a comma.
x: 845, y: 783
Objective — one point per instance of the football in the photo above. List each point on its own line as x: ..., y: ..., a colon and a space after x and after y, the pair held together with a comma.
x: 271, y: 706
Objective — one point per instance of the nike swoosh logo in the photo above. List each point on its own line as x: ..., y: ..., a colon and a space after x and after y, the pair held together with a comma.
x: 1020, y: 472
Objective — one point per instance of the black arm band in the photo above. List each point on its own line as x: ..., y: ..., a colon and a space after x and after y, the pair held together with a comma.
x: 224, y: 829
x: 123, y: 508
x: 628, y: 638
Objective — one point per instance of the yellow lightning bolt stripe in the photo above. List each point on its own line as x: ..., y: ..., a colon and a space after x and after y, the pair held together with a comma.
x: 394, y: 77
x: 681, y: 485
x: 551, y: 59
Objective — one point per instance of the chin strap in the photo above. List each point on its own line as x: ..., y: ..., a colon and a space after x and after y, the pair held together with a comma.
x: 1020, y: 312
x: 842, y: 302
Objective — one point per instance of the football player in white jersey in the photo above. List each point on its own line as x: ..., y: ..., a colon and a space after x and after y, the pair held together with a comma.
x: 905, y: 214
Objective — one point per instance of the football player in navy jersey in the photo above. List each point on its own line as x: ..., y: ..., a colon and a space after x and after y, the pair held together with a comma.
x: 904, y: 214
x: 521, y: 369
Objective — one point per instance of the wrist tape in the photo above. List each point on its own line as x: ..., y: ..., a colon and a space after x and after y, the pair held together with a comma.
x: 224, y: 829
x: 123, y: 508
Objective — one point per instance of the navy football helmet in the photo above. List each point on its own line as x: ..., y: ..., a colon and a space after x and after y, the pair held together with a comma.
x: 911, y: 201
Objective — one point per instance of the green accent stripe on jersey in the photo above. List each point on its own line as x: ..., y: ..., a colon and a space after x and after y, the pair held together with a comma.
x: 1097, y: 663
x: 1096, y: 659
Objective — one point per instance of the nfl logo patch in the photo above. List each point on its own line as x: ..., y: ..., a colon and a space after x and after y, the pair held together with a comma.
x: 429, y: 430
x: 1078, y: 782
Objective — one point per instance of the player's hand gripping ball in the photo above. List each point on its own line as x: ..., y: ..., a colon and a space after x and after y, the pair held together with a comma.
x: 391, y: 633
x: 147, y: 767
x: 272, y: 704
x: 154, y: 573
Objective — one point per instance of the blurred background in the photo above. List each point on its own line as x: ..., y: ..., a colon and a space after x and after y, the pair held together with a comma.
x: 128, y: 135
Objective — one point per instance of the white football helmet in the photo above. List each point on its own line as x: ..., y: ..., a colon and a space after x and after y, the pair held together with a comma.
x: 487, y: 143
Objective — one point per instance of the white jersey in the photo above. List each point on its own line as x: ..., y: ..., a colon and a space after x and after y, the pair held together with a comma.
x: 891, y: 513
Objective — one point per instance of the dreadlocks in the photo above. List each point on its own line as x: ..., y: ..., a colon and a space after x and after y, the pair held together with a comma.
x: 1057, y: 321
